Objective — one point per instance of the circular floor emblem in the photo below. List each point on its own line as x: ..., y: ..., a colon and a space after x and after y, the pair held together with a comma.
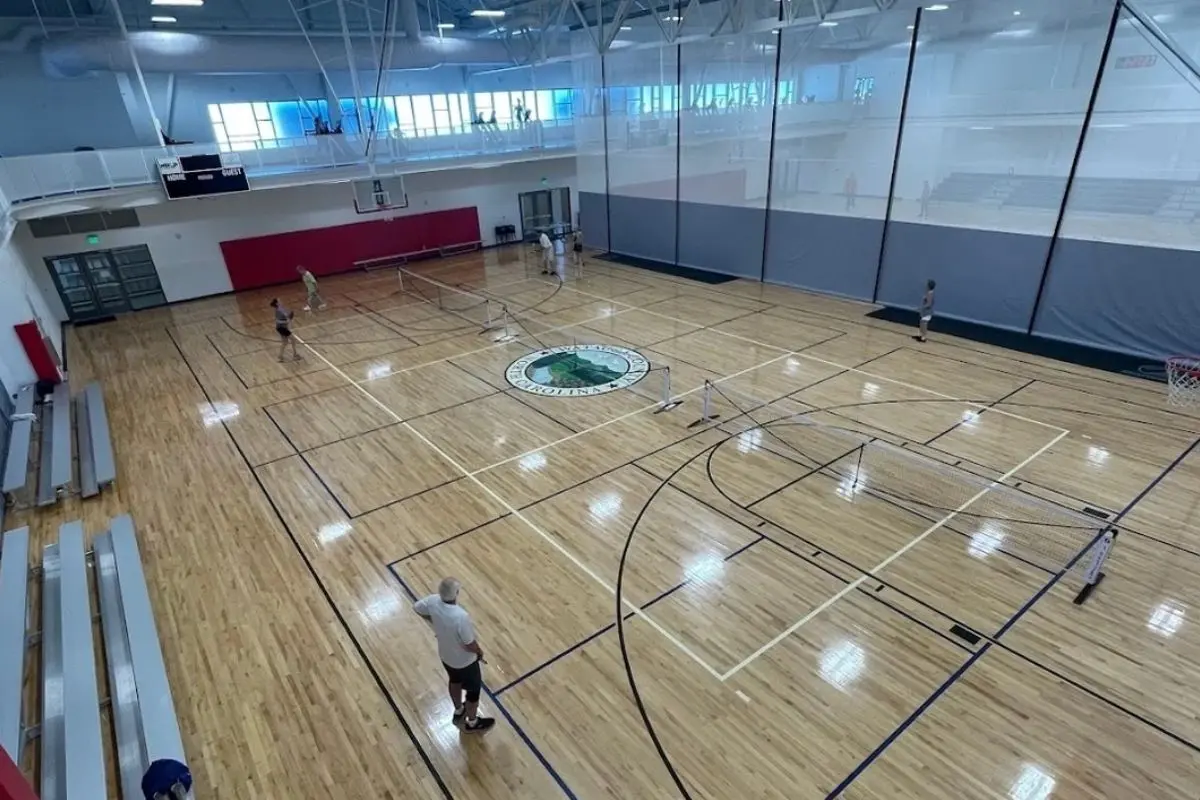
x: 577, y: 370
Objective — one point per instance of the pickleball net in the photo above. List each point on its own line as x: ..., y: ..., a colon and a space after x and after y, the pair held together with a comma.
x: 988, y: 516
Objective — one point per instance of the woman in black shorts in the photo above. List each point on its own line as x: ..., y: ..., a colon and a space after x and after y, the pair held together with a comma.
x: 283, y: 326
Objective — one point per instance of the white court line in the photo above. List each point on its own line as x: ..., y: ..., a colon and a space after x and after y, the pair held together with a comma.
x: 991, y: 409
x: 633, y: 413
x: 850, y: 587
x: 517, y: 514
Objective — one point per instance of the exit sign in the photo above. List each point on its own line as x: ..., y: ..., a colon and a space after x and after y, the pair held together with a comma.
x: 93, y: 239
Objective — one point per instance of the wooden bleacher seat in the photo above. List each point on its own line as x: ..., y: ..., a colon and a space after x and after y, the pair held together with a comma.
x: 16, y: 460
x: 72, y: 752
x: 461, y: 247
x: 14, y: 616
x: 142, y: 708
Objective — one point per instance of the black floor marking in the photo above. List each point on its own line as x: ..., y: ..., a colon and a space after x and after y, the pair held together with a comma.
x: 320, y: 478
x: 1095, y: 512
x: 915, y: 715
x: 507, y: 716
x: 987, y: 407
x: 362, y: 653
x: 966, y: 634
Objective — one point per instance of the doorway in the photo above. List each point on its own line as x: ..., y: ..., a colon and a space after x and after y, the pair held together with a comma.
x: 103, y: 283
x: 546, y: 210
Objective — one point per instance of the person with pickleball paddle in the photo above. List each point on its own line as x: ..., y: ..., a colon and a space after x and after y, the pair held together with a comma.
x: 460, y: 653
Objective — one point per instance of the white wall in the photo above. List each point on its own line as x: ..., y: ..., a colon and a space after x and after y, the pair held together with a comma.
x: 20, y: 301
x: 184, y: 236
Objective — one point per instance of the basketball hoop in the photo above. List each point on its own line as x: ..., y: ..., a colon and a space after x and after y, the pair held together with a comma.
x: 1183, y: 381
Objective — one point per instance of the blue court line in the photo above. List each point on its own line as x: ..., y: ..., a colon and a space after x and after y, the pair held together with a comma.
x: 1013, y: 620
x: 500, y: 707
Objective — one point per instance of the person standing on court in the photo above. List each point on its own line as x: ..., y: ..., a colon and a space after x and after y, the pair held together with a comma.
x: 547, y: 254
x: 283, y: 326
x: 925, y: 313
x: 310, y: 286
x: 460, y: 653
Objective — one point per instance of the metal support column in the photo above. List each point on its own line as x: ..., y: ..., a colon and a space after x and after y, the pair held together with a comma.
x: 137, y: 70
x: 762, y: 273
x: 887, y: 217
x: 1083, y: 132
x: 350, y: 65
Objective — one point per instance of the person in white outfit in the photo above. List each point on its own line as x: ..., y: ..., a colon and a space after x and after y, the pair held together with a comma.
x: 547, y: 254
x: 460, y: 653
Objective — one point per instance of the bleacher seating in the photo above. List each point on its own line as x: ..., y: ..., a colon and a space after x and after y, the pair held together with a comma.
x: 145, y: 729
x: 1171, y: 199
x: 14, y: 615
x: 16, y: 461
x: 50, y: 424
x: 97, y: 465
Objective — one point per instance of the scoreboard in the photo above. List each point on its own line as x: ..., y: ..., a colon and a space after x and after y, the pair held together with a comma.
x: 201, y: 175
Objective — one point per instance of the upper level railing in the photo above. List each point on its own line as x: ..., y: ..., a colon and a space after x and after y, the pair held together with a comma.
x: 57, y: 175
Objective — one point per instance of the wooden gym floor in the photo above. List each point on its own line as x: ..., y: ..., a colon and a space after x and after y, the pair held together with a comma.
x: 788, y: 579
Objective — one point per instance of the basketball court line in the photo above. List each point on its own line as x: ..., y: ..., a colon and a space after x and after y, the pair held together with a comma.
x: 1012, y: 621
x: 828, y: 363
x: 883, y: 564
x: 517, y: 514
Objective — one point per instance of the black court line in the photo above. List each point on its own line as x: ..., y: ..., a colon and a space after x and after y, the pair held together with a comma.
x: 632, y: 461
x: 333, y: 495
x: 812, y: 560
x: 362, y: 653
x: 236, y: 374
x: 509, y: 717
x: 605, y: 629
x: 915, y: 715
x: 978, y: 413
x: 382, y: 320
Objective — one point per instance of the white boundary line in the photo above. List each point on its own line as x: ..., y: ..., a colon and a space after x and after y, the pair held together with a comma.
x: 516, y: 513
x: 850, y: 587
x: 914, y: 387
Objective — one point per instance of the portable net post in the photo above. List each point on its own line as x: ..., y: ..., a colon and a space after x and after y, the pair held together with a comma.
x: 506, y: 334
x: 1183, y: 381
x: 472, y: 306
x: 706, y: 415
x: 668, y: 402
x: 1094, y: 561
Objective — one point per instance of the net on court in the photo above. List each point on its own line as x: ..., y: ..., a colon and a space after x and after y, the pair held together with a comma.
x: 486, y: 312
x: 993, y: 516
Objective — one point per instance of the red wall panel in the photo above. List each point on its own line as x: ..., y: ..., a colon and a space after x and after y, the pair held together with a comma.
x: 267, y: 260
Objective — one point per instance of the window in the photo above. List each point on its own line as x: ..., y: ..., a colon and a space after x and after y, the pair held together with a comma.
x: 423, y: 115
x: 564, y: 104
x: 242, y: 126
x: 863, y: 89
x: 785, y: 93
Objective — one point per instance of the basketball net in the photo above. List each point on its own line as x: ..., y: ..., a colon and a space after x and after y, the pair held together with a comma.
x: 1183, y: 381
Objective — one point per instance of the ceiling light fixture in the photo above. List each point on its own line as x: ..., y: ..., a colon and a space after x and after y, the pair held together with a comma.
x: 937, y: 7
x: 163, y: 19
x: 485, y: 12
x: 828, y: 24
x: 626, y: 27
x: 673, y: 19
x: 1016, y: 13
x: 445, y: 26
x: 192, y: 3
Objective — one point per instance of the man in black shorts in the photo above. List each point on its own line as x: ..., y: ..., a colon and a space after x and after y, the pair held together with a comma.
x: 460, y: 653
x: 283, y: 326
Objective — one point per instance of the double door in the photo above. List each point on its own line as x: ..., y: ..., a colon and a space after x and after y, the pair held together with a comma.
x: 546, y: 210
x: 103, y: 283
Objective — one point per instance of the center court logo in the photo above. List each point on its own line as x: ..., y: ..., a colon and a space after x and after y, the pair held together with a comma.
x: 577, y: 370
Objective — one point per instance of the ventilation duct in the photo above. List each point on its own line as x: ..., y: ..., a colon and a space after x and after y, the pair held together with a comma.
x: 72, y: 55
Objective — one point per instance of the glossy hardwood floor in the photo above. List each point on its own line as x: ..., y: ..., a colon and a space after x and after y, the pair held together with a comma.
x: 758, y: 606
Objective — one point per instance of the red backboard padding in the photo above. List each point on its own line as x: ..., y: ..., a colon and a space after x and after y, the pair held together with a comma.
x: 267, y: 260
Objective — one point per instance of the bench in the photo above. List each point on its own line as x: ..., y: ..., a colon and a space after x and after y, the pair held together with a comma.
x: 54, y: 473
x: 461, y: 247
x: 72, y: 753
x: 16, y: 460
x: 143, y: 711
x: 97, y: 465
x: 14, y: 618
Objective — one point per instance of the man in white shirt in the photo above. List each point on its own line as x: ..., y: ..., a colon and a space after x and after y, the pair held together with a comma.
x: 460, y: 653
x: 547, y: 254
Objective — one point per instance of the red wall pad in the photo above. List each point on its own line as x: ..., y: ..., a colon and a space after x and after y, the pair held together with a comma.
x: 268, y: 260
x: 12, y: 783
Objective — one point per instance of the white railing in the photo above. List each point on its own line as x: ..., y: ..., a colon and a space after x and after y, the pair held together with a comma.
x: 56, y: 175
